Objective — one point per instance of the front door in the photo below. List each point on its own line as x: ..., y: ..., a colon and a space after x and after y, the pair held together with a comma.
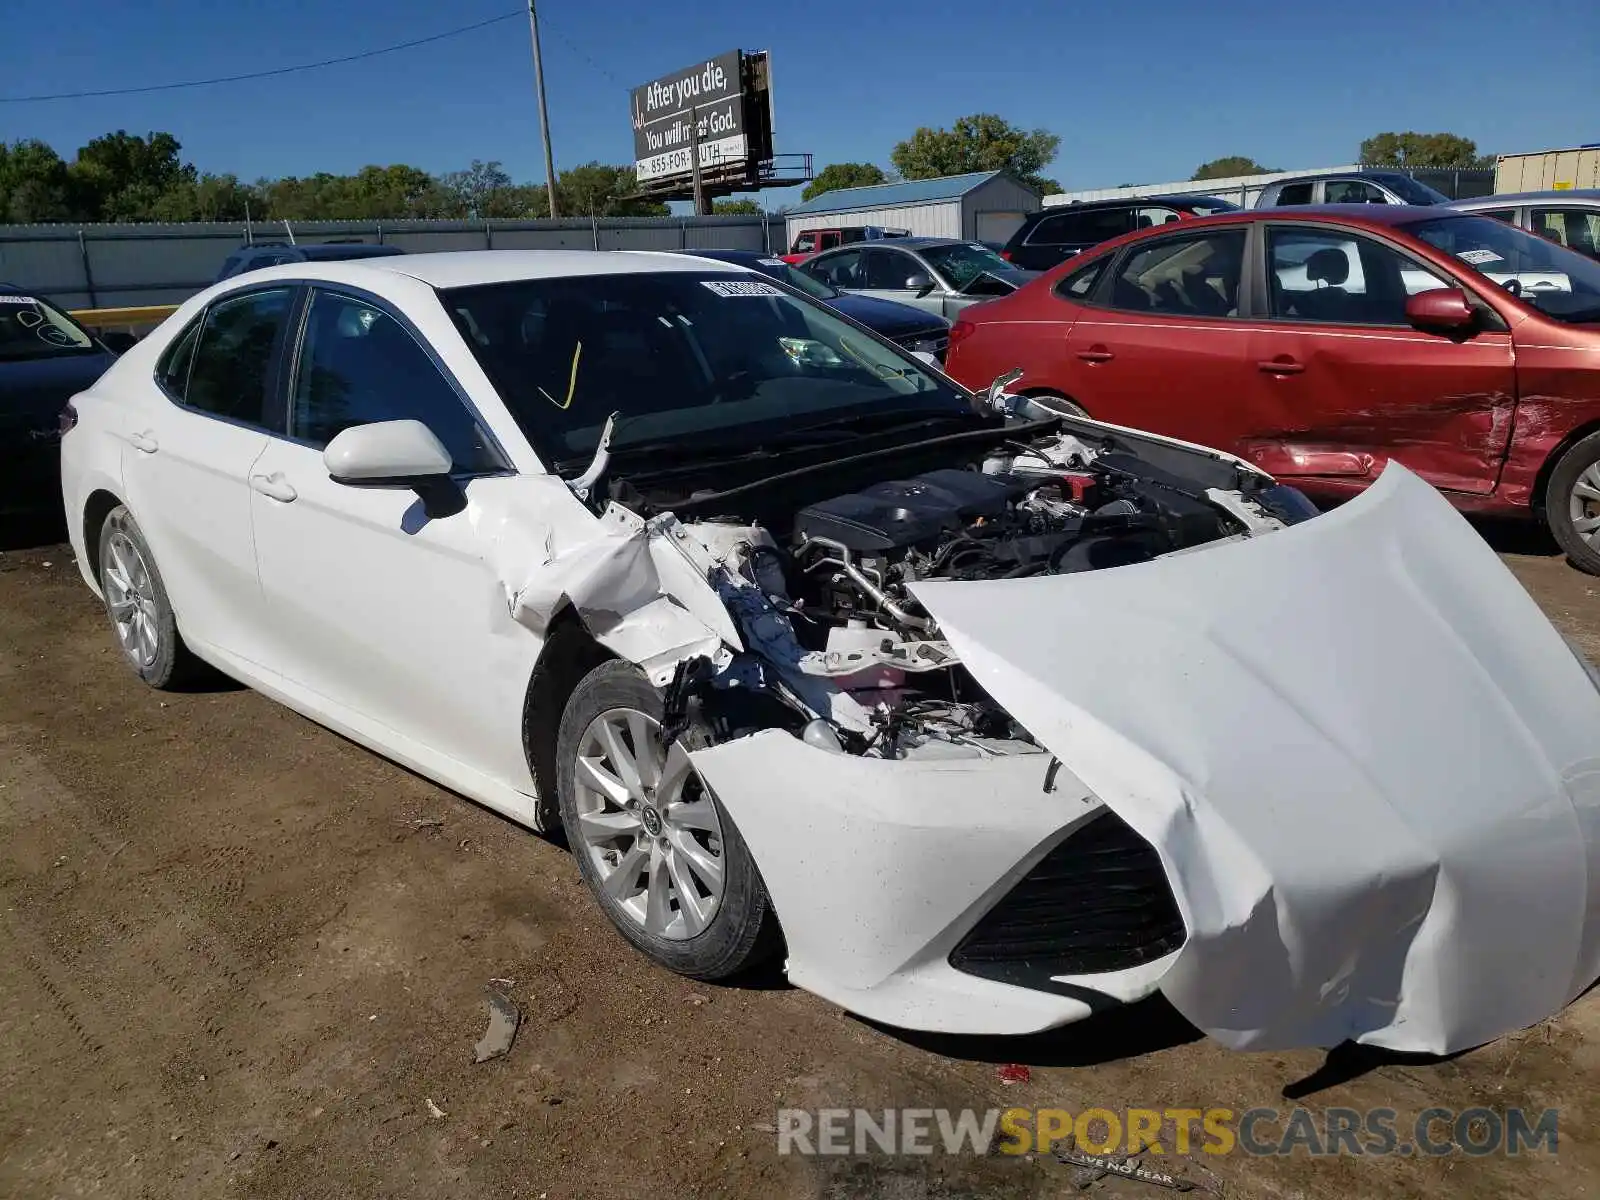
x: 1160, y: 345
x: 377, y: 608
x: 1342, y: 382
x: 192, y: 436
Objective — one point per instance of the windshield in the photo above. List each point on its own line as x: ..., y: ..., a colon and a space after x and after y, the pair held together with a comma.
x: 1552, y: 278
x: 1413, y: 191
x: 962, y: 262
x: 685, y: 357
x: 30, y: 328
x: 1210, y: 208
x: 779, y: 269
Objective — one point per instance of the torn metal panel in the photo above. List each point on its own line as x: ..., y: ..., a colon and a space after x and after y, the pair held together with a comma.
x: 632, y: 583
x: 1377, y: 797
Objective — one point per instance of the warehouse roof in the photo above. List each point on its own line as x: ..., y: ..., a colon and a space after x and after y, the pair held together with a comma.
x: 893, y: 195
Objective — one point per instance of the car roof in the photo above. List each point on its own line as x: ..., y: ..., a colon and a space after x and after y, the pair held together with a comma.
x: 1153, y: 198
x: 468, y: 268
x: 905, y: 243
x: 730, y: 256
x: 1586, y: 195
x: 1356, y: 214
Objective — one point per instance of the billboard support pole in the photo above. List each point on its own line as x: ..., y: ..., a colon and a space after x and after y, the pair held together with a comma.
x: 700, y: 209
x: 544, y: 113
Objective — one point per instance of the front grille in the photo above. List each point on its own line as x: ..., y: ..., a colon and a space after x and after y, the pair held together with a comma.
x: 1098, y: 902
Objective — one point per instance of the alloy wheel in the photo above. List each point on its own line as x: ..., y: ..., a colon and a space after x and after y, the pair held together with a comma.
x: 648, y: 825
x: 131, y: 598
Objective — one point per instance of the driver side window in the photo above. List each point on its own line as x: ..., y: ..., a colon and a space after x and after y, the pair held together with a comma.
x: 889, y: 269
x: 358, y: 364
x: 843, y: 270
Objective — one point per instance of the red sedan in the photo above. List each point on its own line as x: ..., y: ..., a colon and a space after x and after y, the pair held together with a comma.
x: 1322, y: 343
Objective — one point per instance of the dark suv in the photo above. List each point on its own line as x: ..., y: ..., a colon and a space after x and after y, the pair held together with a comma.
x: 1054, y: 235
x: 271, y: 254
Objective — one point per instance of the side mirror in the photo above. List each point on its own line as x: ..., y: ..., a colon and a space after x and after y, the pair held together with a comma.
x: 387, y: 454
x: 1440, y: 309
x: 921, y: 283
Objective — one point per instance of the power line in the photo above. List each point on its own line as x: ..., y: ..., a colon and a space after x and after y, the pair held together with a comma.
x: 327, y: 62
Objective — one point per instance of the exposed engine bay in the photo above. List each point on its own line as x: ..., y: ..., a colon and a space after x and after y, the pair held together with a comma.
x: 837, y: 647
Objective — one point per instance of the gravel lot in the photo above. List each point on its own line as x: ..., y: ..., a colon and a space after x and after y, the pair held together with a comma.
x: 241, y: 956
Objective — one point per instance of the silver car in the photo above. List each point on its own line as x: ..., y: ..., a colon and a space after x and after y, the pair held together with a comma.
x: 1567, y: 218
x: 941, y: 275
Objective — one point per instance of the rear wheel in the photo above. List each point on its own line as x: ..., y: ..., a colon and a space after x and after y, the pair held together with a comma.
x: 136, y: 601
x: 1572, y: 503
x: 653, y: 844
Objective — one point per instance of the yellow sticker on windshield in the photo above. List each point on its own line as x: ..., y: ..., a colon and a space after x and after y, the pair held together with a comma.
x: 572, y: 381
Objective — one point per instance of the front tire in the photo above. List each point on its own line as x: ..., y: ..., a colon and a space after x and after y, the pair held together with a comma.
x: 1056, y: 402
x: 654, y: 846
x: 136, y: 600
x: 1572, y: 504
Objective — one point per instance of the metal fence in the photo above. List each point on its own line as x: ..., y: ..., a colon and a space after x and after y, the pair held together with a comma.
x: 95, y: 266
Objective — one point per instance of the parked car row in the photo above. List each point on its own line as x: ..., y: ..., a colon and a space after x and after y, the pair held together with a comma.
x: 1322, y: 344
x: 807, y: 647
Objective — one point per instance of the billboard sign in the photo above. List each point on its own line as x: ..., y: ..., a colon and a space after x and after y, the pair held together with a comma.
x: 662, y: 110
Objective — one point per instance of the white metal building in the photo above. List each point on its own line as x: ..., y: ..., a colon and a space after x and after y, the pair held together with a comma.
x: 985, y: 206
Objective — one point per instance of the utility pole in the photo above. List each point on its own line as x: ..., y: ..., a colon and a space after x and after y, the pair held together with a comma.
x: 544, y: 113
x: 700, y: 209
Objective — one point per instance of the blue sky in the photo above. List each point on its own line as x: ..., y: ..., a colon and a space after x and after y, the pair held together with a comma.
x: 1139, y: 92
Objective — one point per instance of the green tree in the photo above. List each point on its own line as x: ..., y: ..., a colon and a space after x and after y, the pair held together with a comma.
x: 1422, y: 150
x: 485, y: 190
x: 843, y: 175
x: 209, y: 198
x: 121, y: 176
x: 980, y: 142
x: 595, y: 189
x: 1230, y: 165
x: 34, y: 184
x: 744, y: 207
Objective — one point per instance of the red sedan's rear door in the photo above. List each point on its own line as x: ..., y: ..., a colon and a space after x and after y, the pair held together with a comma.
x: 1163, y: 346
x: 1343, y: 383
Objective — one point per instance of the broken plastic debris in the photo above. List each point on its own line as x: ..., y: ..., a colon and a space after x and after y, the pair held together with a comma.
x: 434, y: 1110
x: 1015, y: 1073
x: 497, y: 1038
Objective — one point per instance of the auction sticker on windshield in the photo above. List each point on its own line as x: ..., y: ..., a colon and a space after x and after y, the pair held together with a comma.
x: 740, y: 288
x: 28, y: 300
x: 1478, y: 257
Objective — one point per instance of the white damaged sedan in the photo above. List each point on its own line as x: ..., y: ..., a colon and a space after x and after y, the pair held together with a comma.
x: 987, y: 717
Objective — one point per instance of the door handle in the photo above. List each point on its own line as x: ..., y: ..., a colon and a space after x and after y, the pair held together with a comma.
x: 1281, y: 366
x: 274, y: 486
x: 1096, y: 354
x: 144, y: 442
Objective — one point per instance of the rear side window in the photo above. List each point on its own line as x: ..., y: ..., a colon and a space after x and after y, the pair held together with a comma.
x: 233, y: 357
x: 1295, y: 193
x: 1081, y: 228
x: 1194, y: 276
x: 173, y: 370
x: 1080, y: 284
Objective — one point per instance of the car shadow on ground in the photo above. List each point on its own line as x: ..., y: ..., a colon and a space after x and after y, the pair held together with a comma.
x: 31, y: 531
x: 1507, y: 536
x: 1126, y: 1031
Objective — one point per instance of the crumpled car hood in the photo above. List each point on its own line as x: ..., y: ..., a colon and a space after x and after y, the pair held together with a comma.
x: 1370, y: 765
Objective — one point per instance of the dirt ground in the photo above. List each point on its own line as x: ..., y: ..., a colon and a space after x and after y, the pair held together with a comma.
x: 240, y: 956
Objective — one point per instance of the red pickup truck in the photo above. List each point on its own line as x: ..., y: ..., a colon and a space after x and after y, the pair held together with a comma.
x: 814, y: 241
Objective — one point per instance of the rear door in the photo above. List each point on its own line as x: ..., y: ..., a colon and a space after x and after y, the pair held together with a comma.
x: 1342, y: 382
x: 1161, y: 345
x: 193, y: 436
